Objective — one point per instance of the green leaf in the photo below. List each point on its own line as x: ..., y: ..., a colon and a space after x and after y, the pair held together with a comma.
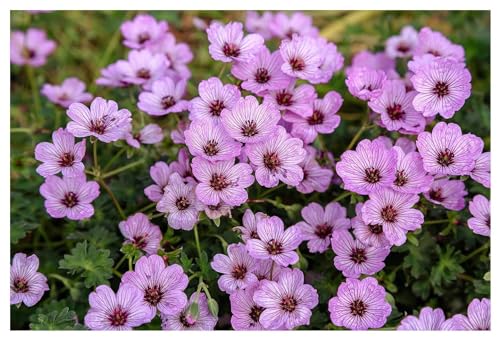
x: 94, y: 265
x: 186, y: 262
x: 131, y: 251
x: 62, y: 320
x: 98, y: 236
x: 18, y: 230
x: 447, y: 268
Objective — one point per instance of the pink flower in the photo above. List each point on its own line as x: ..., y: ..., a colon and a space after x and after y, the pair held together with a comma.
x: 165, y: 97
x: 411, y: 178
x: 402, y: 45
x: 294, y: 99
x: 112, y: 76
x: 284, y: 26
x: 184, y: 320
x: 369, y: 234
x: 72, y: 90
x: 316, y: 177
x: 27, y: 285
x: 249, y: 229
x: 259, y: 24
x: 160, y: 173
x: 150, y: 134
x: 30, y: 48
x: 436, y: 44
x: 478, y: 316
x: 142, y: 31
x: 481, y: 171
x: 245, y: 312
x: 365, y: 84
x: 302, y: 57
x: 448, y: 193
x: 141, y: 233
x: 143, y: 68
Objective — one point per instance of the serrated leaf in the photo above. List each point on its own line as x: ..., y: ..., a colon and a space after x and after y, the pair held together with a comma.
x: 56, y: 320
x: 186, y: 262
x: 19, y: 230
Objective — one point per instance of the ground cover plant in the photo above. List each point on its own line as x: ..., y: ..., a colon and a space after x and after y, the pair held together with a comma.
x: 250, y: 170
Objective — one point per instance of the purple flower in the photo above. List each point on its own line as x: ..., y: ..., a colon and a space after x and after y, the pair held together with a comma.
x: 237, y: 268
x: 316, y: 177
x: 407, y: 145
x: 481, y: 171
x: 143, y: 68
x: 402, y: 45
x: 319, y: 224
x: 104, y: 120
x: 372, y: 61
x: 443, y: 85
x: 249, y: 229
x: 275, y: 242
x: 72, y: 90
x: 393, y: 210
x: 119, y: 312
x: 183, y: 320
x: 160, y: 173
x: 227, y: 43
x: 365, y: 84
x: 162, y: 286
x: 259, y: 24
x: 478, y: 316
x: 69, y: 197
x: 323, y: 119
x: 354, y: 258
x: 165, y: 97
x: 446, y: 151
x: 210, y: 141
x: 214, y: 97
x: 177, y: 135
x: 142, y: 31
x: 141, y: 233
x: 302, y: 57
x: 112, y: 76
x: 180, y: 203
x: 295, y: 99
x: 182, y: 165
x: 369, y: 234
x: 245, y: 312
x: 411, y: 178
x: 250, y: 122
x: 448, y: 193
x: 288, y: 302
x: 263, y: 73
x: 63, y: 155
x: 277, y: 159
x: 371, y: 167
x: 150, y: 134
x: 359, y: 305
x: 267, y: 270
x: 214, y: 212
x: 437, y: 45
x: 331, y: 62
x: 222, y: 181
x: 30, y: 48
x: 396, y: 108
x: 284, y: 26
x: 27, y: 285
x: 179, y: 55
x: 428, y: 320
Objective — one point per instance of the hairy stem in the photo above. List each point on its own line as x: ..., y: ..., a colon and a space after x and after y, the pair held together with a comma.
x: 123, y: 168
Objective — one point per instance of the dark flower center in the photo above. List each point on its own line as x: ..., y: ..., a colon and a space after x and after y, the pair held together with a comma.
x: 288, y: 304
x: 186, y: 321
x: 401, y: 178
x: 436, y: 194
x: 143, y: 73
x: 219, y: 182
x: 230, y: 50
x: 254, y: 235
x: 118, y: 317
x: 216, y: 107
x: 488, y: 221
x: 28, y: 53
x: 64, y: 96
x: 389, y: 214
x: 358, y: 308
x: 98, y: 126
x: 249, y: 128
x: 372, y: 175
x: 403, y: 48
x: 358, y: 255
x: 139, y: 241
x: 284, y: 98
x: 323, y: 230
x: 297, y: 64
x: 395, y: 112
x: 441, y: 89
x: 262, y: 75
x: 182, y: 203
x: 272, y: 161
x: 445, y: 157
x: 211, y: 148
x: 316, y: 118
x: 375, y: 228
x: 70, y: 199
x: 367, y: 87
x: 66, y: 159
x: 289, y: 34
x: 255, y: 313
x: 274, y: 247
x: 143, y: 37
x: 167, y: 102
x: 434, y: 52
x: 153, y: 295
x: 239, y: 272
x: 20, y: 285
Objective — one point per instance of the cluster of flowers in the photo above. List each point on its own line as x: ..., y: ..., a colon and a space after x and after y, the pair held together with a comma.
x: 262, y: 130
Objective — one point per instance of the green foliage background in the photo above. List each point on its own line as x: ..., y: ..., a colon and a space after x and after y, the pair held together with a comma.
x: 443, y: 265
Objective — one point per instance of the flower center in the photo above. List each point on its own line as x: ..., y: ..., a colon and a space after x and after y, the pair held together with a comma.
x: 28, y: 53
x: 323, y: 230
x: 20, y: 285
x: 317, y: 118
x: 284, y: 98
x: 271, y: 161
x: 216, y: 107
x: 389, y: 214
x: 182, y: 203
x: 445, y: 157
x: 255, y: 313
x: 64, y: 96
x: 288, y: 304
x: 230, y: 50
x: 441, y: 89
x: 262, y: 75
x: 219, y: 182
x: 249, y: 128
x: 297, y: 64
x: 70, y: 199
x: 372, y: 175
x: 66, y: 159
x: 167, y: 102
x: 395, y: 112
x: 274, y: 247
x: 358, y: 255
x: 401, y: 178
x: 254, y: 235
x: 358, y: 308
x: 211, y: 148
x: 403, y: 48
x: 436, y: 194
x: 143, y: 73
x: 98, y: 126
x: 139, y: 241
x: 375, y: 228
x: 118, y: 317
x: 187, y: 320
x: 434, y: 52
x: 239, y: 271
x: 153, y: 295
x: 143, y: 37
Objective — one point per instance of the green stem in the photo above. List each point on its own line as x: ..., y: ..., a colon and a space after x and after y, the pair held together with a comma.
x: 117, y: 273
x: 94, y: 152
x: 156, y: 216
x: 475, y: 252
x: 21, y: 130
x: 57, y: 120
x: 123, y: 168
x: 267, y: 192
x: 114, y: 158
x: 342, y: 196
x: 221, y: 72
x: 113, y: 198
x: 35, y: 95
x: 65, y: 281
x: 436, y: 222
x: 147, y: 207
x: 124, y: 257
x: 195, y: 275
x: 357, y: 136
x: 130, y: 268
x: 197, y: 240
